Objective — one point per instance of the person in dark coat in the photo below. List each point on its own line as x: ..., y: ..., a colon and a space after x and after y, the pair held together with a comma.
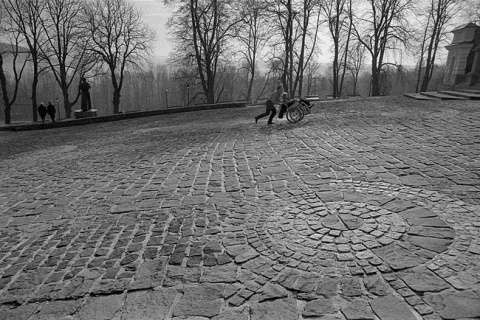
x: 42, y: 111
x: 51, y: 111
x: 275, y: 98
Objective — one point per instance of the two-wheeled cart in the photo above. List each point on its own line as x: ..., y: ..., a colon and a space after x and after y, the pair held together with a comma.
x: 297, y: 110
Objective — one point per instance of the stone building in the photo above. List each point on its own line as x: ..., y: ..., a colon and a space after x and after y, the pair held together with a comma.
x: 463, y: 62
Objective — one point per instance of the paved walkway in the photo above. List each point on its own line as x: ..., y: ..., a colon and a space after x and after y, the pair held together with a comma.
x: 367, y: 209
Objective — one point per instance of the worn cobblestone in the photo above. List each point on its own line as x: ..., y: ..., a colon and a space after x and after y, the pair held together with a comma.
x: 364, y: 208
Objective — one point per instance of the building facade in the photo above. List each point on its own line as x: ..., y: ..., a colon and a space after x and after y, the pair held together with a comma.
x: 463, y: 62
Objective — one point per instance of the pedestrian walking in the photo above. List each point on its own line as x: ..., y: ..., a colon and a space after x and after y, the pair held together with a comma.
x: 51, y: 111
x: 275, y: 98
x: 42, y: 111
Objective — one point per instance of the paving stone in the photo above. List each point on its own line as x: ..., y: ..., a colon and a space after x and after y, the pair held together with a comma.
x: 109, y: 286
x: 390, y: 307
x: 149, y: 274
x: 148, y: 304
x: 431, y: 232
x: 101, y: 308
x: 455, y: 304
x: 358, y: 309
x: 288, y: 277
x: 177, y: 274
x: 319, y: 307
x: 420, y: 279
x: 224, y: 274
x: 19, y: 313
x: 398, y: 258
x: 202, y: 300
x: 399, y: 205
x: 231, y: 289
x: 236, y: 300
x: 223, y: 259
x: 428, y: 222
x: 57, y: 309
x: 278, y: 309
x: 246, y: 256
x: 212, y: 247
x: 230, y: 316
x: 375, y: 285
x: 351, y: 287
x: 272, y: 291
x: 236, y: 250
x: 327, y: 287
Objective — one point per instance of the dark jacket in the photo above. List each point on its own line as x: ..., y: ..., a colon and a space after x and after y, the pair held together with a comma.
x: 51, y: 109
x: 42, y: 110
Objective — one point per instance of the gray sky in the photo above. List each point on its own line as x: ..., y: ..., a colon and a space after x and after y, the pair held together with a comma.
x: 156, y: 15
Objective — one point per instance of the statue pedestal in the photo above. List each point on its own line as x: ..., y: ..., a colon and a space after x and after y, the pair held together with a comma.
x: 78, y: 114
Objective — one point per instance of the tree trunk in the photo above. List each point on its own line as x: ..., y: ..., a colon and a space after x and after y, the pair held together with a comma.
x: 426, y: 79
x: 336, y: 40
x: 430, y: 59
x: 345, y: 54
x: 211, y: 88
x: 375, y: 82
x: 66, y: 104
x: 3, y: 83
x: 355, y: 85
x: 428, y: 72
x: 250, y: 83
x: 420, y: 63
x: 419, y: 75
x: 8, y: 114
x: 34, y: 94
x: 116, y: 100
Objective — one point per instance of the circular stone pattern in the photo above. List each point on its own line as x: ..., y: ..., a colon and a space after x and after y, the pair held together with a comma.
x: 343, y: 229
x: 349, y: 231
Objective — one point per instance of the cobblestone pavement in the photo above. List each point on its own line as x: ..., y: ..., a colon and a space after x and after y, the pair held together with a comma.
x: 367, y: 209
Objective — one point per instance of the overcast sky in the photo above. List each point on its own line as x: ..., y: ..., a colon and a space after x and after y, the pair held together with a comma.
x: 156, y: 15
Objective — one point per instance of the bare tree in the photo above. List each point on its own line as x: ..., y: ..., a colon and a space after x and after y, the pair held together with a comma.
x: 308, y: 39
x: 339, y: 16
x: 293, y: 21
x: 355, y: 62
x: 311, y: 74
x: 252, y: 35
x: 202, y: 31
x: 382, y: 27
x: 119, y: 37
x: 284, y: 13
x: 440, y: 14
x: 472, y: 10
x: 25, y: 17
x: 9, y: 95
x: 65, y: 46
x: 419, y: 51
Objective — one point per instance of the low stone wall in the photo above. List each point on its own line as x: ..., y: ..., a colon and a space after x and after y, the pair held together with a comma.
x: 120, y: 116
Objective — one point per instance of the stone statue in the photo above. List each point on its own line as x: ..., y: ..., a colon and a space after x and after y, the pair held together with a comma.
x: 86, y: 102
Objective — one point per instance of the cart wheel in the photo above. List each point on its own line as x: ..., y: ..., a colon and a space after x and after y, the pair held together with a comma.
x: 294, y: 114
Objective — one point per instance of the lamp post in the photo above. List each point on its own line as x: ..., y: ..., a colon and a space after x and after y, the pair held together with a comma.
x: 58, y: 107
x: 370, y: 89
